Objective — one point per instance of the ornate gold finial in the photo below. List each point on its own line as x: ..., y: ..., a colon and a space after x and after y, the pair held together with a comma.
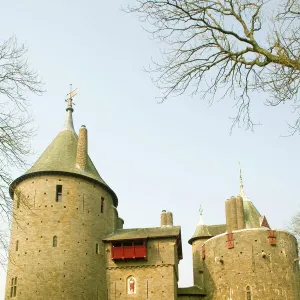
x: 69, y: 99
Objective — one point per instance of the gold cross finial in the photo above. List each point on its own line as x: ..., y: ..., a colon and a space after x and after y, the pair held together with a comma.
x: 70, y: 96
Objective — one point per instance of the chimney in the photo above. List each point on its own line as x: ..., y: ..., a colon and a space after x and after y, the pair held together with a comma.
x: 240, y: 212
x: 163, y: 218
x: 235, y: 218
x: 169, y: 219
x: 231, y: 216
x: 81, y: 159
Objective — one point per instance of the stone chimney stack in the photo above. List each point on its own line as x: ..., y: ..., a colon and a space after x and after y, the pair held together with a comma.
x: 235, y: 218
x: 240, y: 212
x: 169, y: 219
x: 163, y: 218
x: 82, y: 148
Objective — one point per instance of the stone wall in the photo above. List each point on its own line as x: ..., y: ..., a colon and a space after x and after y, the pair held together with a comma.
x: 253, y: 266
x: 156, y: 277
x: 75, y: 268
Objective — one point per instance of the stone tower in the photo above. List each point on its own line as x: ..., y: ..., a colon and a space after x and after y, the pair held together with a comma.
x: 245, y: 258
x: 200, y: 236
x: 62, y: 210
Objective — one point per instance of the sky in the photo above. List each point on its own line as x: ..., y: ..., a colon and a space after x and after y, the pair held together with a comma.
x: 175, y: 156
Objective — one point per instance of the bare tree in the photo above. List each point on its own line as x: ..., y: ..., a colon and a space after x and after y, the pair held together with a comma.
x: 234, y: 46
x: 294, y: 226
x: 16, y: 79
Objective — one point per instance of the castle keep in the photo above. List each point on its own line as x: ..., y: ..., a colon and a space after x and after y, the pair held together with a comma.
x: 68, y: 242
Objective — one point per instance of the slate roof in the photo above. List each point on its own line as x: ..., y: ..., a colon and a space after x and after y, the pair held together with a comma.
x: 191, y: 291
x: 202, y: 231
x: 251, y: 215
x: 207, y: 231
x: 144, y: 233
x: 60, y: 157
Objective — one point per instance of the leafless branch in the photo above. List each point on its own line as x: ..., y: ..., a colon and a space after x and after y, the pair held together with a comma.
x: 226, y: 45
x: 16, y: 80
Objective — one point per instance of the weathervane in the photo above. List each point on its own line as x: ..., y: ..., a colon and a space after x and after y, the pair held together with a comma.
x: 201, y: 221
x: 201, y: 210
x: 70, y: 96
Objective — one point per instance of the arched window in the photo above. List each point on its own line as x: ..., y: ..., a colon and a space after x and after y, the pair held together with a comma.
x: 248, y: 293
x: 54, y: 242
x: 131, y: 285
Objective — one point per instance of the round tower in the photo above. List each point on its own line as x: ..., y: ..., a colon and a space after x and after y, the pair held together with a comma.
x: 197, y: 241
x: 255, y: 263
x: 62, y: 209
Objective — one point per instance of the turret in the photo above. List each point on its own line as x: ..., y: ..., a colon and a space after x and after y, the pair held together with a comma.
x: 63, y: 208
x: 249, y: 261
x: 197, y: 241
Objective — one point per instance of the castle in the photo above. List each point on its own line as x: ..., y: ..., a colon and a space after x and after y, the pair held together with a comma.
x: 68, y: 242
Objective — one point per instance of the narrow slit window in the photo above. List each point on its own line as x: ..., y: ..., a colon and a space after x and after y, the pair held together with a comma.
x: 54, y: 242
x: 13, y: 288
x: 18, y: 202
x: 97, y: 248
x: 248, y: 293
x: 58, y: 193
x: 17, y: 245
x: 102, y: 205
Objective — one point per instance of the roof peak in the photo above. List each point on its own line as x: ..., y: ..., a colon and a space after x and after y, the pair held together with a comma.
x: 201, y: 221
x: 69, y: 118
x: 242, y: 191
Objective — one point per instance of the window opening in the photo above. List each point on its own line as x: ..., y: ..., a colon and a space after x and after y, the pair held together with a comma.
x: 131, y: 285
x: 17, y: 245
x: 97, y: 248
x: 102, y: 205
x: 58, y: 193
x: 13, y: 288
x: 248, y: 293
x: 54, y: 243
x: 127, y: 243
x: 138, y: 242
x: 130, y: 249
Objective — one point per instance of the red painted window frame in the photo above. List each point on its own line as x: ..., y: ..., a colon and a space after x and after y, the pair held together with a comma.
x: 129, y: 252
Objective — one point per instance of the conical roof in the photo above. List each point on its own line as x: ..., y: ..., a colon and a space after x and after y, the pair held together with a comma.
x: 252, y: 215
x: 60, y: 157
x: 201, y: 231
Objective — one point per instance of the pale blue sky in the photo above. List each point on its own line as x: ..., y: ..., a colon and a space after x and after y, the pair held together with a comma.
x: 173, y: 156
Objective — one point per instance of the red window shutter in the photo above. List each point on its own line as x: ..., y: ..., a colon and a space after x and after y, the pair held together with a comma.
x: 230, y: 241
x: 272, y: 241
x: 229, y: 236
x: 230, y: 244
x: 272, y: 237
x: 272, y: 233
